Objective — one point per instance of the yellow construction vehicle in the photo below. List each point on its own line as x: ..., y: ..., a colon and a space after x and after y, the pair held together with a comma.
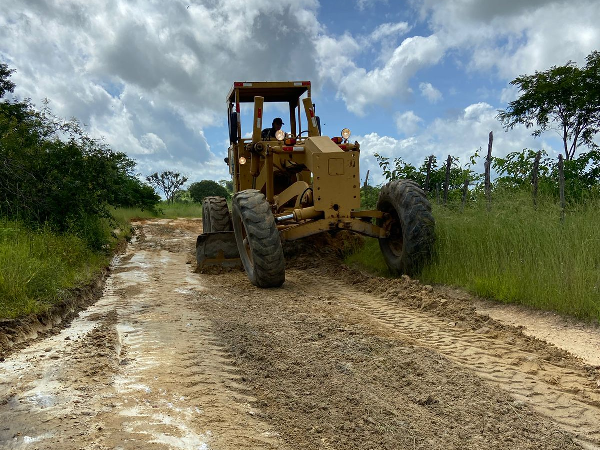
x: 294, y: 184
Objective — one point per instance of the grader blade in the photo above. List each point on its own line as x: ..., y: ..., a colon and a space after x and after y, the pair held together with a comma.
x: 217, y: 249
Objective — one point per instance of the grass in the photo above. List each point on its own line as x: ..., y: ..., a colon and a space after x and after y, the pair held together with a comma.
x: 38, y: 267
x: 164, y: 210
x: 369, y: 258
x: 515, y: 254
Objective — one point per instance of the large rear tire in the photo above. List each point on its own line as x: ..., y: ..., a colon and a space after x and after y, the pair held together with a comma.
x: 215, y: 215
x: 412, y: 227
x: 258, y: 239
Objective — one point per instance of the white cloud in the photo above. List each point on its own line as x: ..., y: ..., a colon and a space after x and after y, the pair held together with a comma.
x: 152, y: 143
x: 360, y: 88
x: 335, y: 56
x: 505, y: 38
x: 408, y: 123
x: 430, y: 93
x: 384, y: 146
x: 385, y: 30
x: 366, y: 4
x: 515, y: 37
x: 151, y: 77
x: 509, y: 93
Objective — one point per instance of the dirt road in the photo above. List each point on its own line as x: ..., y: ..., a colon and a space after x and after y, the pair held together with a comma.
x: 172, y: 359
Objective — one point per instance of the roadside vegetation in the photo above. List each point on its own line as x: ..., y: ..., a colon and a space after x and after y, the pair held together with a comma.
x: 519, y: 254
x: 163, y: 209
x: 57, y: 189
x: 183, y: 203
x: 514, y: 253
x: 519, y: 245
x: 39, y: 266
x: 530, y: 235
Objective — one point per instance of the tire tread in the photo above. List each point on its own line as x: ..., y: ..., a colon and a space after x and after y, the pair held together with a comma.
x: 215, y: 213
x: 267, y: 268
x: 417, y: 224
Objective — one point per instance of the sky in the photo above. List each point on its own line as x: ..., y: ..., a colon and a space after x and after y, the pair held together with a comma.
x: 408, y: 78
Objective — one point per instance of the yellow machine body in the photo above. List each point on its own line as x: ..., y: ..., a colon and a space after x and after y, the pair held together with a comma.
x: 294, y: 182
x: 311, y: 181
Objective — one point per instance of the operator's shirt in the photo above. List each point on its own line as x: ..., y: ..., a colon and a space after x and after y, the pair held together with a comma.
x: 268, y: 133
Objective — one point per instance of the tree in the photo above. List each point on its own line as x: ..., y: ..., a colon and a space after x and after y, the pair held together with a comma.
x: 206, y: 188
x: 516, y: 168
x: 5, y: 84
x: 564, y: 98
x: 227, y: 184
x: 169, y: 182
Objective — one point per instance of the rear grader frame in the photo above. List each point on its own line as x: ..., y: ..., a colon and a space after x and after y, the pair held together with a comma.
x: 298, y: 184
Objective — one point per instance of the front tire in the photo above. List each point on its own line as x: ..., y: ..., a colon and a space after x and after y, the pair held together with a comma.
x: 412, y: 227
x: 258, y: 239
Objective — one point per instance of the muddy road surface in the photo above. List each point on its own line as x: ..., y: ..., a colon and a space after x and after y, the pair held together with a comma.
x: 168, y: 358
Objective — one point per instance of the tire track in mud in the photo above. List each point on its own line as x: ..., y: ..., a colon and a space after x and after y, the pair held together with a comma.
x: 139, y: 369
x: 566, y: 394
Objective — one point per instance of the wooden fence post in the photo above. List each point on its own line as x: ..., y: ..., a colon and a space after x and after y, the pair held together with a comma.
x: 561, y: 186
x: 488, y: 163
x: 428, y: 176
x: 465, y: 190
x: 534, y: 177
x: 448, y: 164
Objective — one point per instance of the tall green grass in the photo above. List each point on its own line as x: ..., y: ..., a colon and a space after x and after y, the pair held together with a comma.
x: 516, y: 254
x: 38, y: 267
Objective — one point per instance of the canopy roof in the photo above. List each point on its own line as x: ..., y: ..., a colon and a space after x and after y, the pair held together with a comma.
x: 272, y: 91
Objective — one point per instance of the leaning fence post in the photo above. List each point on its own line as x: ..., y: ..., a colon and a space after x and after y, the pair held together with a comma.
x: 428, y: 176
x: 488, y: 163
x: 448, y: 164
x: 534, y: 177
x: 561, y: 186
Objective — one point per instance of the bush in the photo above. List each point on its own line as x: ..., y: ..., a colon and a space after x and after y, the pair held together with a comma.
x: 369, y: 196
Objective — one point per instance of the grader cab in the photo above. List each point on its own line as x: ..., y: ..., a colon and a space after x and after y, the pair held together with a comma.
x: 296, y: 183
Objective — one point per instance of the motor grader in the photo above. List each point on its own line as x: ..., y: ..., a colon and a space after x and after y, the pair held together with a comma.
x: 300, y: 183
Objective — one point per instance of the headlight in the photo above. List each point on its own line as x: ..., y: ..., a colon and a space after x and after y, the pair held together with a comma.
x: 346, y: 133
x: 279, y: 135
x: 242, y: 160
